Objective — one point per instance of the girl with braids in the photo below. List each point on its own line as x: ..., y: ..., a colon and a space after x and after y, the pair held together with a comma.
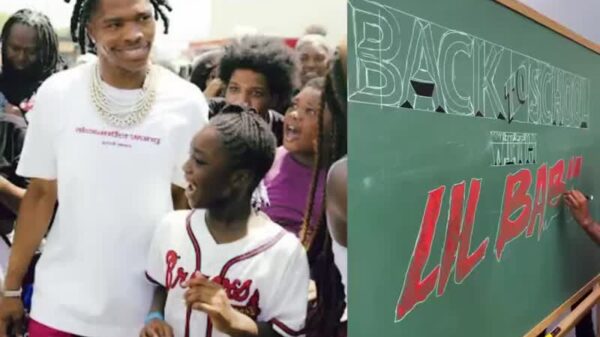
x: 329, y: 316
x: 337, y: 179
x: 288, y: 181
x: 106, y: 140
x: 239, y: 273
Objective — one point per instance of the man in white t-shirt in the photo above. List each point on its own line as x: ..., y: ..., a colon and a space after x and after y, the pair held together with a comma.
x: 107, y: 140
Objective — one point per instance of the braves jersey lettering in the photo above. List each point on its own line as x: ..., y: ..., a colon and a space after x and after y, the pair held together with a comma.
x: 265, y: 274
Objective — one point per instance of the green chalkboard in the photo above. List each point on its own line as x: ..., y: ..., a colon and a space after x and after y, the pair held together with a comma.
x: 467, y: 121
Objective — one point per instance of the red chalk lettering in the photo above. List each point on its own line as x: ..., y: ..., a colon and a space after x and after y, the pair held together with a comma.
x: 417, y: 289
x: 539, y: 205
x: 556, y: 183
x: 455, y: 218
x: 467, y: 262
x: 516, y: 201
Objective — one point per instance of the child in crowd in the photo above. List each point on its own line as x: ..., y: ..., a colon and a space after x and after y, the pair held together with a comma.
x: 224, y: 269
x: 314, y: 55
x: 260, y: 72
x: 288, y: 183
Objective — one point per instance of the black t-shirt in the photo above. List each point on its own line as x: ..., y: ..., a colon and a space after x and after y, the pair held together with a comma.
x: 277, y: 126
x: 12, y: 136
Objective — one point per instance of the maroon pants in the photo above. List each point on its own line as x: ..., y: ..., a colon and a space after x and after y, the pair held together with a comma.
x: 37, y: 329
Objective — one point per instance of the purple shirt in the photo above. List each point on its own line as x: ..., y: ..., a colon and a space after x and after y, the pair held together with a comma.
x: 288, y: 185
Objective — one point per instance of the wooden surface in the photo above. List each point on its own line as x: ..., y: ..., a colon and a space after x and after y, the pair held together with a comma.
x: 550, y: 23
x: 565, y: 307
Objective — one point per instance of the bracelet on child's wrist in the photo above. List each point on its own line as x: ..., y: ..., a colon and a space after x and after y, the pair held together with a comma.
x: 154, y: 315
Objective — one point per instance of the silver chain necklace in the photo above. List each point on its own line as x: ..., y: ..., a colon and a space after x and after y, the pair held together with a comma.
x: 122, y: 115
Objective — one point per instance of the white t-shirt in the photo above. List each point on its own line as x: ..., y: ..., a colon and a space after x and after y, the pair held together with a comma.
x: 265, y: 274
x: 113, y: 188
x: 340, y: 258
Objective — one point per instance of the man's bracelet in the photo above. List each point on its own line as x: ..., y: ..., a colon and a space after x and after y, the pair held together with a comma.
x: 12, y: 293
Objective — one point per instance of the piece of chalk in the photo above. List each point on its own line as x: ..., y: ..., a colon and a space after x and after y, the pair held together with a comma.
x: 554, y: 332
x: 589, y: 197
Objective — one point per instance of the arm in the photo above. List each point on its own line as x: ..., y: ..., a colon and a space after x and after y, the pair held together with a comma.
x: 157, y: 327
x: 578, y: 205
x: 336, y: 203
x: 155, y: 324
x: 32, y: 224
x: 159, y: 300
x: 179, y: 199
x: 593, y: 230
x: 11, y: 195
x: 34, y: 217
x: 244, y: 326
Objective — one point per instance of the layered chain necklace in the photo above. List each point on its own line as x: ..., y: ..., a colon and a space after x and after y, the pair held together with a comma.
x: 119, y: 114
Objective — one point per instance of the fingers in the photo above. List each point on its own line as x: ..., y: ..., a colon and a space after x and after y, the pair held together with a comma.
x: 19, y: 327
x: 2, y: 329
x: 580, y: 197
x: 153, y: 330
x: 197, y: 294
x: 206, y: 308
x: 575, y: 199
x: 15, y: 326
x: 146, y: 332
x: 199, y: 280
x: 196, y: 276
x: 167, y: 331
x: 570, y: 201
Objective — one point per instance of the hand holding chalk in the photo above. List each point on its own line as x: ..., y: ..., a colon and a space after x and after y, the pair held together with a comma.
x: 578, y: 205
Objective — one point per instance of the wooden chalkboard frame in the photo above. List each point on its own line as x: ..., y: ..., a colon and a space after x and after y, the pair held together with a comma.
x: 542, y: 19
x: 571, y: 320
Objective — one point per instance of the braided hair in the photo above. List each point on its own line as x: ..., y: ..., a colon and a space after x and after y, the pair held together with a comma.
x: 47, y: 60
x: 330, y: 302
x: 248, y: 140
x: 334, y: 98
x: 83, y: 10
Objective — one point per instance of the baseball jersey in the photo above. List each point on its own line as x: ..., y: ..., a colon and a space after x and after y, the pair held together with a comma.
x: 264, y: 274
x: 114, y: 186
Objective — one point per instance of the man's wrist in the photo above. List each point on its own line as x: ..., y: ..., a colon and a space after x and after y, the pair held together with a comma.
x: 11, y: 283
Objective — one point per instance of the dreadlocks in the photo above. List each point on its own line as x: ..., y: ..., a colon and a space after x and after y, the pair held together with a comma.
x: 330, y: 301
x: 248, y: 140
x: 84, y: 9
x: 19, y: 85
